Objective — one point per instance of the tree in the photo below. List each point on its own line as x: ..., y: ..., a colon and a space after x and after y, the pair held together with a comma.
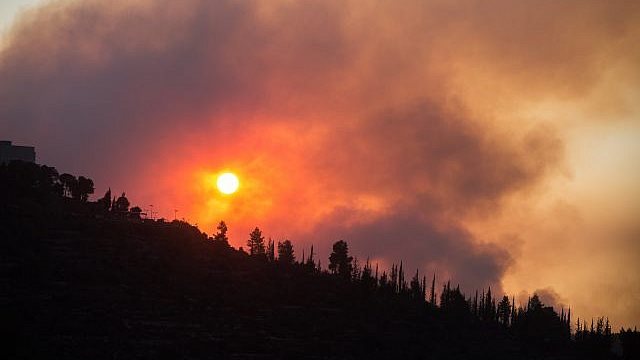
x: 104, y: 203
x: 402, y: 285
x: 310, y: 263
x: 534, y: 304
x: 453, y: 301
x: 339, y: 261
x: 121, y: 205
x: 432, y: 300
x: 416, y: 287
x: 135, y: 212
x: 285, y: 252
x: 24, y: 179
x: 366, y: 279
x: 355, y: 270
x: 69, y: 184
x: 504, y: 311
x: 271, y: 252
x: 85, y: 188
x: 256, y: 243
x: 487, y: 306
x: 221, y: 235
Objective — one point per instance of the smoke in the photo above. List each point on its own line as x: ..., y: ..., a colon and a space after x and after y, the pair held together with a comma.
x: 413, y: 130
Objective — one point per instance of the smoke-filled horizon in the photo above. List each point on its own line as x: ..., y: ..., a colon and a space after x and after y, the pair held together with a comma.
x: 493, y: 142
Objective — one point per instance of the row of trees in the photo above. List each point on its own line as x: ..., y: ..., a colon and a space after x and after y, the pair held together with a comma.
x: 118, y: 206
x: 25, y: 180
x: 42, y: 183
x: 340, y: 263
x: 257, y: 247
x: 77, y: 188
x: 534, y: 321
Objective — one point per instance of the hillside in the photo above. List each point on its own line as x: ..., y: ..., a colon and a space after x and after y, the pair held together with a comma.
x: 79, y: 283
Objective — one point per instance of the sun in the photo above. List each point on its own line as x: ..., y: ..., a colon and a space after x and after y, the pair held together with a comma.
x: 227, y: 183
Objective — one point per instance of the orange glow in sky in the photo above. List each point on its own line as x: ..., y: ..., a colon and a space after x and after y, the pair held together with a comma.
x: 495, y: 142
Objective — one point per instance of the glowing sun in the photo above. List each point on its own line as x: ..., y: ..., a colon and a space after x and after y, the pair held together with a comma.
x: 228, y: 183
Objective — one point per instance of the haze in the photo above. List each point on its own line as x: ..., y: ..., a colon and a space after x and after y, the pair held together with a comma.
x: 495, y: 142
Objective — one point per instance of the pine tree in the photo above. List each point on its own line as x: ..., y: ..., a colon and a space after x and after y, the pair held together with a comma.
x: 256, y: 243
x: 271, y: 252
x: 376, y: 273
x: 285, y: 253
x: 513, y: 310
x: 393, y: 280
x: 104, y: 203
x: 221, y: 236
x: 355, y: 270
x: 383, y: 281
x: 367, y: 279
x: 433, y: 290
x: 578, y: 329
x: 475, y: 304
x: 401, y: 283
x: 504, y: 311
x: 488, y: 311
x: 310, y: 259
x: 535, y: 304
x: 340, y: 262
x: 415, y: 286
x: 481, y: 306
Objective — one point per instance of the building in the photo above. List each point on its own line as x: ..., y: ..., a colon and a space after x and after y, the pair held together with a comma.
x: 9, y: 152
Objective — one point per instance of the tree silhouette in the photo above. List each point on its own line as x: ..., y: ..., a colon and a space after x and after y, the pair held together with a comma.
x: 84, y: 188
x: 152, y: 257
x: 402, y: 284
x: 256, y: 243
x: 534, y: 304
x: 309, y: 263
x: 285, y: 253
x: 221, y: 236
x: 415, y: 287
x: 104, y: 203
x: 630, y: 341
x: 135, y: 212
x: 453, y: 302
x: 121, y: 205
x: 367, y: 279
x: 339, y: 261
x: 504, y: 311
x: 271, y: 252
x: 69, y: 184
x: 489, y: 307
x: 355, y: 269
x: 28, y: 180
x: 432, y: 299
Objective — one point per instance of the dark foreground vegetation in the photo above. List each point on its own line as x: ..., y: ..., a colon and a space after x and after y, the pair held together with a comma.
x: 93, y: 280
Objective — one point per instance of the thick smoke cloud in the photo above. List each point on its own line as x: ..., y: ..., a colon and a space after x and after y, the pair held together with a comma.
x: 401, y: 127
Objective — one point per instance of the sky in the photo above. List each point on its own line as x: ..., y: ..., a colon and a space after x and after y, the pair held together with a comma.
x: 9, y: 9
x: 495, y: 143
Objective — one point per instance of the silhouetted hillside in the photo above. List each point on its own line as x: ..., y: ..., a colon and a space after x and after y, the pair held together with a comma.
x: 92, y: 280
